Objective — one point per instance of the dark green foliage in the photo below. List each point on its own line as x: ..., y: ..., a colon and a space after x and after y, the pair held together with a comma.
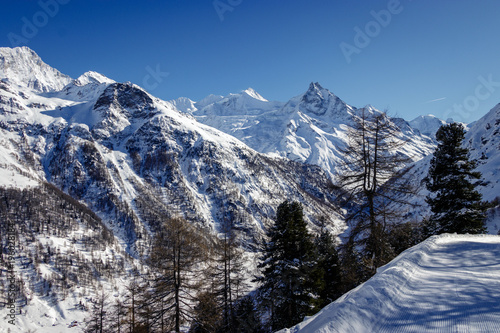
x: 246, y: 317
x: 327, y: 269
x: 353, y: 271
x: 455, y: 203
x: 286, y: 264
x: 405, y: 235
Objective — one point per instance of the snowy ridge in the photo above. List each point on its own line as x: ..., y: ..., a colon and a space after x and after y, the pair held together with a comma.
x: 447, y: 283
x: 136, y: 160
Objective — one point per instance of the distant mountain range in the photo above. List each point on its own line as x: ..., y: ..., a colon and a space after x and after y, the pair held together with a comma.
x: 309, y: 128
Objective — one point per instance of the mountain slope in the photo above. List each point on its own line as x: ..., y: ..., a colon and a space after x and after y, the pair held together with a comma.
x: 440, y: 285
x: 483, y: 141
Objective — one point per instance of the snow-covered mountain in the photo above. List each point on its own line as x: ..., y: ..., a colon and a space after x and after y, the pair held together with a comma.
x: 129, y: 161
x: 118, y: 161
x: 483, y: 142
x: 427, y: 125
x: 309, y: 128
x: 22, y: 66
x: 119, y: 149
x: 439, y: 285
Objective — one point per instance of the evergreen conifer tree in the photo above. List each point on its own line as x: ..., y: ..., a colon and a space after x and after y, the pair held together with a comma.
x: 286, y: 264
x: 247, y: 319
x: 455, y: 203
x: 328, y: 266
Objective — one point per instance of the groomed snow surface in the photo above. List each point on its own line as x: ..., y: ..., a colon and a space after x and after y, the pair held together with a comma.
x: 448, y: 283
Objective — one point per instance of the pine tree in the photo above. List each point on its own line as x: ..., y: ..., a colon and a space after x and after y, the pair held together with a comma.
x: 328, y: 268
x: 246, y: 317
x: 455, y: 203
x: 206, y: 314
x: 286, y: 266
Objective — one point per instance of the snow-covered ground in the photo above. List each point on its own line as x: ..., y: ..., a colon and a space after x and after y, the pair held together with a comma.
x: 449, y: 283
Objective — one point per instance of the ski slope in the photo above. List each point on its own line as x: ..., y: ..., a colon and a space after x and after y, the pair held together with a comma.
x: 448, y: 283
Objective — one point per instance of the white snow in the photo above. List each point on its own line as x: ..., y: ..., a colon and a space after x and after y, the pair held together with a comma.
x: 448, y: 283
x: 483, y: 141
x: 252, y: 93
x: 427, y: 125
x: 23, y: 67
x: 308, y: 128
x: 12, y: 172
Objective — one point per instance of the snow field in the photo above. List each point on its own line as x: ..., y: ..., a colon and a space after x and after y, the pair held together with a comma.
x: 448, y: 283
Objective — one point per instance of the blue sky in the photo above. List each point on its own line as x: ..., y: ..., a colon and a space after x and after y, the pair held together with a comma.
x: 412, y: 57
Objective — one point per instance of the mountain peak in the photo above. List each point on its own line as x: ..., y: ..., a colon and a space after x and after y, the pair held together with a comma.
x: 316, y: 93
x: 252, y: 93
x: 22, y: 66
x: 315, y: 86
x: 320, y: 101
x: 427, y: 125
x: 92, y: 77
x: 184, y: 104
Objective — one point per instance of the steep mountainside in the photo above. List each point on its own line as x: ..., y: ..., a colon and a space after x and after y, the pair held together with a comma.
x: 310, y: 128
x: 90, y: 168
x: 483, y: 141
